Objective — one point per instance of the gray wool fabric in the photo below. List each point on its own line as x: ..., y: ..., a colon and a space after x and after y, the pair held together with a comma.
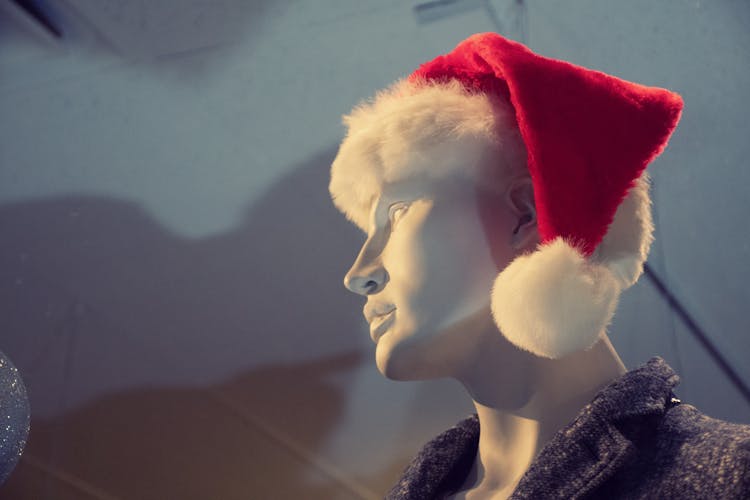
x: 633, y: 440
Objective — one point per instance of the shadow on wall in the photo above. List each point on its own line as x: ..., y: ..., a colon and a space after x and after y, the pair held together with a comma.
x: 117, y: 326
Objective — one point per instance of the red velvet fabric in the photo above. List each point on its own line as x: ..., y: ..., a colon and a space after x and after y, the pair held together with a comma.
x: 589, y: 135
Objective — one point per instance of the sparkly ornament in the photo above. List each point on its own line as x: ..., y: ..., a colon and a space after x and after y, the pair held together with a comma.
x: 14, y: 417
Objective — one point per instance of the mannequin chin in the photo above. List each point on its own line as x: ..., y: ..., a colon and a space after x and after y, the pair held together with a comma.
x: 407, y: 353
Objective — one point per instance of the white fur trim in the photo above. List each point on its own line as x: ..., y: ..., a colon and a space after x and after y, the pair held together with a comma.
x: 625, y: 247
x: 400, y: 134
x: 553, y: 302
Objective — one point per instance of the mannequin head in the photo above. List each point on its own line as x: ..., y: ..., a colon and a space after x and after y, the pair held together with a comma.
x: 432, y: 251
x: 438, y: 177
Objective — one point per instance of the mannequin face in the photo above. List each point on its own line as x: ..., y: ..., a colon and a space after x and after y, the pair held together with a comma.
x: 430, y: 259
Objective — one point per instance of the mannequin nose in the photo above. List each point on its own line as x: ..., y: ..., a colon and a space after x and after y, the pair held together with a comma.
x: 366, y: 281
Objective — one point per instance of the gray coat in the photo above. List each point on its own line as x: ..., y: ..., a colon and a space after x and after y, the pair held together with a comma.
x: 633, y: 440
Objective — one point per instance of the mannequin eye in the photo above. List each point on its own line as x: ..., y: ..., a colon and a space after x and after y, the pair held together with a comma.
x: 396, y: 211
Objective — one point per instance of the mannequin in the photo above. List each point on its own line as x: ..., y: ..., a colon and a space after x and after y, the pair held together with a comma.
x: 442, y: 325
x: 506, y: 206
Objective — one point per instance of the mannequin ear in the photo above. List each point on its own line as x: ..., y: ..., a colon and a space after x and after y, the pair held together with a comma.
x: 520, y: 198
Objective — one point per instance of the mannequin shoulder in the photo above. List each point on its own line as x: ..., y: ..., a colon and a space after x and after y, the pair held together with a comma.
x: 687, y: 454
x: 685, y: 423
x: 705, y: 452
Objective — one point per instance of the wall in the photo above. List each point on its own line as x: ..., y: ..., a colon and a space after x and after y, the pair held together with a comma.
x: 171, y: 265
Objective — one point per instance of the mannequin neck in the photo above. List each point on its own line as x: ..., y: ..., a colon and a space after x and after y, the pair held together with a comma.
x: 522, y: 400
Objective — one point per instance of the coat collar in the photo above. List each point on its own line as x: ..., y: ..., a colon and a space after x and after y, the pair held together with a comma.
x: 590, y: 449
x: 579, y: 458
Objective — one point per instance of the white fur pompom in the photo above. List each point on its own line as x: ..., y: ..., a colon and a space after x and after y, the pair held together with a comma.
x: 553, y: 301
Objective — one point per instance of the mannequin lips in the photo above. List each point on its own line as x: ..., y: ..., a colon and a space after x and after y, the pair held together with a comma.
x: 372, y: 312
x: 380, y: 324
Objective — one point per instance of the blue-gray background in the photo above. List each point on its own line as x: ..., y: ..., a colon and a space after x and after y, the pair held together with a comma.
x: 171, y: 265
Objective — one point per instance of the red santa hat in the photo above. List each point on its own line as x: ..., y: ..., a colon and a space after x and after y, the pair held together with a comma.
x: 585, y: 139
